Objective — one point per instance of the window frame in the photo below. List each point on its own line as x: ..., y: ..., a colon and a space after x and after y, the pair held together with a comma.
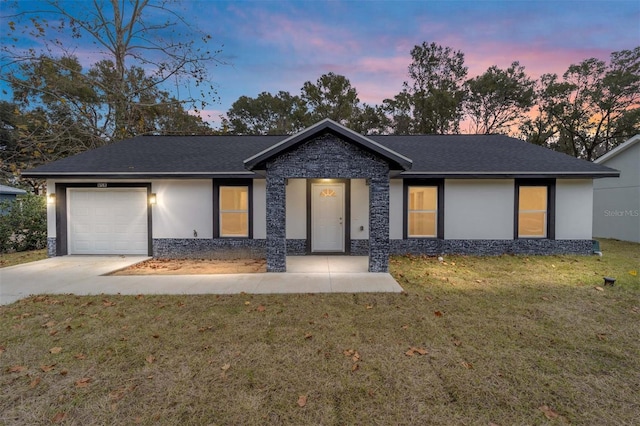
x: 550, y: 184
x: 439, y: 185
x: 217, y: 183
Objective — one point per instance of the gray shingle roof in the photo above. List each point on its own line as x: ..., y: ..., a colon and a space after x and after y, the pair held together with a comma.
x: 210, y: 156
x: 10, y: 190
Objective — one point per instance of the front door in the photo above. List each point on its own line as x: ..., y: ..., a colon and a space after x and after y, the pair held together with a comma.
x: 327, y: 217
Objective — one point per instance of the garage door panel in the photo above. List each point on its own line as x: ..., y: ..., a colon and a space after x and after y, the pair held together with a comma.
x: 112, y: 221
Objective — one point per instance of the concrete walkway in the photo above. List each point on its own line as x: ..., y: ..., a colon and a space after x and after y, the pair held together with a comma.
x: 84, y: 275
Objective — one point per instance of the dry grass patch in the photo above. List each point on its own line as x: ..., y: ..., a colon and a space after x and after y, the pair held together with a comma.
x: 11, y: 259
x: 501, y: 340
x: 195, y: 267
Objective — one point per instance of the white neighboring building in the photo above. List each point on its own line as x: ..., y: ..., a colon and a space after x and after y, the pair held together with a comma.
x: 616, y: 201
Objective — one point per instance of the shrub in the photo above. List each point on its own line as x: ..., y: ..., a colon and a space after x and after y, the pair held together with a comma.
x: 23, y: 223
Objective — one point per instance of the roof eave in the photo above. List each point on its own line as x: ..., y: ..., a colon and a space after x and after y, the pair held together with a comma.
x: 618, y: 150
x: 142, y: 175
x: 507, y: 175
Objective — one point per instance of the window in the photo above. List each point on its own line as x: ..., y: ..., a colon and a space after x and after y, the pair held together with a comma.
x: 423, y: 208
x: 232, y: 209
x: 534, y: 214
x: 424, y: 213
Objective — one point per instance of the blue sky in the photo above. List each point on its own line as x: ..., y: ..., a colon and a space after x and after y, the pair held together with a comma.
x: 278, y: 45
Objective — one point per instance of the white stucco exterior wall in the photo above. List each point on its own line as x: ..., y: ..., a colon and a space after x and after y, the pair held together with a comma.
x: 359, y: 209
x: 574, y: 209
x: 616, y: 201
x: 182, y: 207
x: 296, y: 205
x: 396, y: 209
x: 478, y: 209
x: 259, y: 208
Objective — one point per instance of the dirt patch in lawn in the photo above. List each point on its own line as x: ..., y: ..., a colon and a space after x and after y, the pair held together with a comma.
x: 194, y: 267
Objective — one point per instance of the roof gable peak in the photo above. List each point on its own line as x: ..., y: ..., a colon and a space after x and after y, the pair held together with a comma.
x: 327, y: 125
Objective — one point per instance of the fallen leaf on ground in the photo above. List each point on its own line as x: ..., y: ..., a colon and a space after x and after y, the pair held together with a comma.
x: 79, y: 356
x: 413, y: 350
x: 2, y: 349
x: 369, y: 306
x: 355, y: 367
x: 225, y: 367
x: 34, y: 382
x: 601, y: 336
x: 16, y: 369
x: 548, y: 412
x: 49, y: 324
x: 355, y: 357
x: 247, y: 303
x: 47, y: 368
x: 404, y: 327
x: 83, y: 382
x: 599, y: 288
x: 107, y: 303
x: 59, y: 417
x: 467, y: 365
x: 438, y: 313
x: 302, y: 400
x: 633, y: 272
x: 308, y: 336
x: 261, y: 308
x: 55, y: 350
x: 457, y: 342
x: 348, y: 352
x: 151, y: 359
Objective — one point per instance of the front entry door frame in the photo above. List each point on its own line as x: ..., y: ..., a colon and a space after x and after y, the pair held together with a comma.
x: 346, y: 218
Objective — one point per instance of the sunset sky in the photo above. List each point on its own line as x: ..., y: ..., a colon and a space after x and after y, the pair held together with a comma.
x: 278, y: 45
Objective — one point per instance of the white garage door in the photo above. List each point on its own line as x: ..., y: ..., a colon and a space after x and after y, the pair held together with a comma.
x: 107, y: 221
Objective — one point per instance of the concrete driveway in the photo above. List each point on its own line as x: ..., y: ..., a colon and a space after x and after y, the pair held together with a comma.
x: 84, y: 275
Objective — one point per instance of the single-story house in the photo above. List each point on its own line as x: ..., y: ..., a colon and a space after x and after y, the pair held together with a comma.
x: 10, y: 193
x: 324, y: 190
x: 616, y: 202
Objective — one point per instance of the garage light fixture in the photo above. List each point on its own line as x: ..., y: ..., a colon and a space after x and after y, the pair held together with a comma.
x: 51, y: 199
x: 153, y: 199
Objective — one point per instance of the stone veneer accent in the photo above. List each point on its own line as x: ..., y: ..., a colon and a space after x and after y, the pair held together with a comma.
x: 328, y: 157
x: 200, y: 248
x: 490, y: 247
x: 223, y: 248
x: 51, y: 246
x: 296, y: 247
x: 359, y: 248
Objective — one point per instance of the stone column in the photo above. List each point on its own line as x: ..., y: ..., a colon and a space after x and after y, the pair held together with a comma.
x: 276, y: 224
x: 379, y: 224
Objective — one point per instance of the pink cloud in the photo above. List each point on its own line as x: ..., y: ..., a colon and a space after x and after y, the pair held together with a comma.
x: 211, y: 116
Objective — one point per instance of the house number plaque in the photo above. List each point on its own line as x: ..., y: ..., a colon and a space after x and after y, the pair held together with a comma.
x: 102, y: 185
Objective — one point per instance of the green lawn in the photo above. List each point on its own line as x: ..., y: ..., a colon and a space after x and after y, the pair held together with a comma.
x: 11, y: 259
x: 476, y: 341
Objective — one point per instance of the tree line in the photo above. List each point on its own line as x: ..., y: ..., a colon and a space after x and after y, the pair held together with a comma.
x: 591, y: 108
x: 146, y: 82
